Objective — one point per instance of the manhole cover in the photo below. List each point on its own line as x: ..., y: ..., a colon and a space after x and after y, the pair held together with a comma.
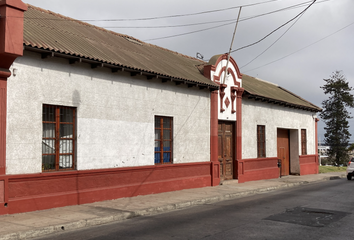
x: 308, y: 216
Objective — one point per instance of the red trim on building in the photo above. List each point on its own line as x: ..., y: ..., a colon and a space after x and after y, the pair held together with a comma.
x: 308, y: 164
x: 11, y: 46
x: 222, y: 95
x: 224, y: 57
x: 237, y: 166
x: 3, y: 109
x: 235, y: 92
x: 229, y: 70
x: 257, y: 169
x: 215, y: 171
x: 11, y: 31
x: 31, y: 192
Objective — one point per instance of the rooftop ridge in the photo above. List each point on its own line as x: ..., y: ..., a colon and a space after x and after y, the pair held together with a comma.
x: 80, y: 22
x: 111, y: 32
x: 265, y: 81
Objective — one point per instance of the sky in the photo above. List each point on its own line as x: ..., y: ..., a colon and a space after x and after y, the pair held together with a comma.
x: 297, y: 56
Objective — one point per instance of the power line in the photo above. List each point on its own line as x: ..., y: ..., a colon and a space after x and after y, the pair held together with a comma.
x: 226, y: 24
x: 182, y: 15
x: 226, y: 20
x: 272, y: 43
x: 172, y: 26
x: 301, y: 48
x: 249, y: 45
x: 230, y: 21
x: 162, y: 17
x: 182, y: 34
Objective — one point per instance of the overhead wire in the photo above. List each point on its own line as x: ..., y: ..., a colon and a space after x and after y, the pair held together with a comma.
x: 273, y: 42
x: 161, y: 17
x: 226, y: 20
x: 301, y: 48
x: 182, y: 15
x: 229, y: 23
x: 187, y: 33
x: 172, y: 26
x: 252, y: 44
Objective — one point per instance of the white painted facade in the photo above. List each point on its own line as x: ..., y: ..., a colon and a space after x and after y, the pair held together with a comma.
x: 274, y: 116
x: 115, y: 115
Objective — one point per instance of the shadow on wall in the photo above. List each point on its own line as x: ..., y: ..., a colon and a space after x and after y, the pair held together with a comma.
x: 76, y: 100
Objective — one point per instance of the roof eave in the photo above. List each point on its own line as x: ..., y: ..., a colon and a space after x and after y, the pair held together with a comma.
x: 117, y: 67
x: 280, y: 102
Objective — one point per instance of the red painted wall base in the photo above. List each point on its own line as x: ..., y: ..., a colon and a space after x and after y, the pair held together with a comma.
x: 215, y: 173
x: 308, y: 164
x: 266, y: 168
x: 257, y: 169
x: 31, y: 192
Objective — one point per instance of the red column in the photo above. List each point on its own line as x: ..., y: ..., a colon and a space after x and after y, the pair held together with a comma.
x: 215, y: 165
x: 11, y: 46
x: 3, y: 89
x: 238, y: 132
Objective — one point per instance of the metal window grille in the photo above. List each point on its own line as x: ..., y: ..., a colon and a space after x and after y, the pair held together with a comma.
x: 261, y: 144
x: 303, y: 142
x: 58, y: 138
x: 163, y: 140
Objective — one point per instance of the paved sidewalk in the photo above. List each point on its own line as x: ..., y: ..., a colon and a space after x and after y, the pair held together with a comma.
x: 40, y: 223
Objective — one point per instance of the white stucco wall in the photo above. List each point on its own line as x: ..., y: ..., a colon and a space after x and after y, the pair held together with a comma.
x: 115, y: 115
x: 273, y: 117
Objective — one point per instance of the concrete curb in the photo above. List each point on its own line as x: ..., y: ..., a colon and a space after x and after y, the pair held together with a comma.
x: 81, y: 224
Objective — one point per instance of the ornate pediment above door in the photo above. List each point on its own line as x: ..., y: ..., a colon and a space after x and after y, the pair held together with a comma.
x: 230, y: 82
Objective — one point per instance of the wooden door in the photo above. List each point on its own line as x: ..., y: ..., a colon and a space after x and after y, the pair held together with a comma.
x: 226, y: 149
x: 283, y: 151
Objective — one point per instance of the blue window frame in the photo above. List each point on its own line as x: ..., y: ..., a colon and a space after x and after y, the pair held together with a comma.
x: 163, y: 139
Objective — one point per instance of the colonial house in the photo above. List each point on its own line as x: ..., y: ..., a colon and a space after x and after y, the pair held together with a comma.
x: 87, y: 115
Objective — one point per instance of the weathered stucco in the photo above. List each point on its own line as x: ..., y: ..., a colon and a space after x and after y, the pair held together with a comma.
x: 273, y: 117
x: 115, y: 115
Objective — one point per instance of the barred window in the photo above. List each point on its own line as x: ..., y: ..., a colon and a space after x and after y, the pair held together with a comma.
x: 303, y: 142
x: 58, y: 138
x: 261, y: 144
x: 163, y: 140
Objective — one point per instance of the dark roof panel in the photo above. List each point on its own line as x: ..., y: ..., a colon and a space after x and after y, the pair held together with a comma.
x: 56, y: 33
x: 50, y: 31
x: 260, y: 89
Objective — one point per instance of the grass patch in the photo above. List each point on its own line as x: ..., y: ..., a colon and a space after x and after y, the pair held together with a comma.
x: 326, y: 169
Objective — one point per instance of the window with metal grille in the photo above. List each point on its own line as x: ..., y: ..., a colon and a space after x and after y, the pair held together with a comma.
x: 163, y: 140
x: 261, y: 144
x: 303, y: 142
x: 58, y: 138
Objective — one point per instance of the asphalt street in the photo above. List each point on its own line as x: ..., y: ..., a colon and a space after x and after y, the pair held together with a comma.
x: 315, y: 211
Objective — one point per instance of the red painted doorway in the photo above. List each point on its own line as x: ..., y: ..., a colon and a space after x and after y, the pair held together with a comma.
x: 226, y: 149
x: 283, y: 151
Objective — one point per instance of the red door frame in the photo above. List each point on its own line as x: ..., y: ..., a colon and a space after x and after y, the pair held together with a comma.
x: 232, y: 149
x: 283, y: 149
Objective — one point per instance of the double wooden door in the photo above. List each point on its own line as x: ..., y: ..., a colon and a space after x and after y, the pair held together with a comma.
x: 226, y: 149
x: 283, y: 151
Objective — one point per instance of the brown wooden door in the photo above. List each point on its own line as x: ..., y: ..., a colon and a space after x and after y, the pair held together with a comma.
x: 225, y: 145
x: 283, y: 151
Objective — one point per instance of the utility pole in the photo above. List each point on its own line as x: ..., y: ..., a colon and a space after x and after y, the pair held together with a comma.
x: 232, y: 42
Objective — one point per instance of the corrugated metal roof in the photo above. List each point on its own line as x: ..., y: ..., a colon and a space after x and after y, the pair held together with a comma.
x: 53, y: 32
x: 262, y: 90
x: 50, y: 31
